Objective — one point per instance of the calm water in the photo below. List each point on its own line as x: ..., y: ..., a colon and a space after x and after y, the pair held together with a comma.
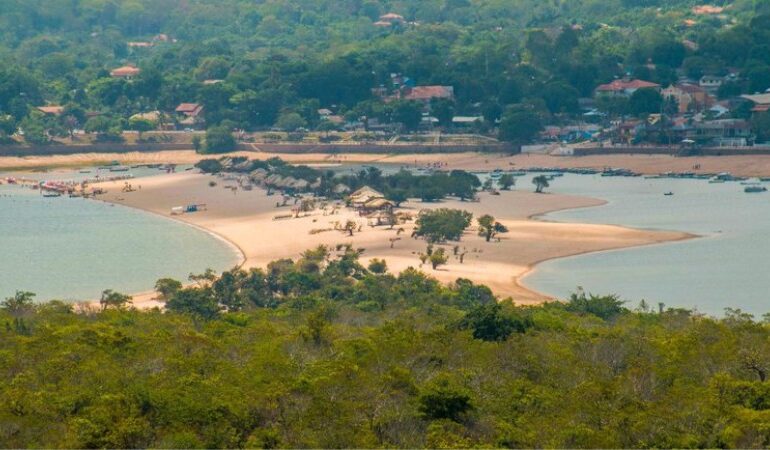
x: 728, y: 267
x: 72, y: 249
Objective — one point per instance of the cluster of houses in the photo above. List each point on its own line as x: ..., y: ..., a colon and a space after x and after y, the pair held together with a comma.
x: 691, y: 114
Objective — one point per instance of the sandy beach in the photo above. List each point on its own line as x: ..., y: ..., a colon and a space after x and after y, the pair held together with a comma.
x: 248, y: 220
x: 749, y: 166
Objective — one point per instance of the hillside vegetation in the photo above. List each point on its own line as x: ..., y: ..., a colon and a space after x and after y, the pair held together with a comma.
x: 322, y: 352
x: 282, y: 60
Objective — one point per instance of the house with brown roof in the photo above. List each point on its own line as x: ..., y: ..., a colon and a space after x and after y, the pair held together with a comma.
x: 127, y: 72
x: 190, y: 115
x: 51, y: 110
x: 688, y: 97
x: 624, y: 87
x: 392, y: 17
x: 427, y: 93
x: 761, y: 102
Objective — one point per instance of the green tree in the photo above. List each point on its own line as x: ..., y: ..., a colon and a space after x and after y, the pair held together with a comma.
x: 540, y: 182
x: 408, y: 113
x: 141, y: 125
x: 290, y: 121
x: 442, y: 224
x: 489, y: 228
x: 378, y: 266
x: 219, y: 140
x: 489, y: 322
x: 520, y: 124
x: 199, y: 302
x: 167, y: 288
x: 645, y: 101
x: 506, y: 181
x: 115, y: 300
x: 438, y: 258
x: 444, y: 400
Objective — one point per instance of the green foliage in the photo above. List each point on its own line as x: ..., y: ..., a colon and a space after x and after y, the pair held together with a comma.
x: 442, y: 224
x: 489, y: 228
x: 219, y: 140
x: 209, y: 165
x: 320, y: 352
x: 506, y: 180
x: 114, y: 300
x: 540, y: 182
x: 442, y: 400
x: 604, y: 307
x: 490, y: 322
x: 520, y: 124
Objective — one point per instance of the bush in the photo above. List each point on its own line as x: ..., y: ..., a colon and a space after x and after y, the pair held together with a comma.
x: 219, y: 140
x: 442, y: 224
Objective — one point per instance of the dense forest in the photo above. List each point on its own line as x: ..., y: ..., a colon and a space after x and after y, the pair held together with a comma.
x: 282, y: 60
x: 332, y: 351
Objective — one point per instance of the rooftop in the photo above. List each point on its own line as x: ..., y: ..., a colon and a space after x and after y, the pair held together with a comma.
x: 622, y: 85
x: 429, y: 92
x: 126, y: 71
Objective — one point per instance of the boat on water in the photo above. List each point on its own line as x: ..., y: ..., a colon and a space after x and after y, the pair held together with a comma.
x: 497, y: 173
x: 119, y: 169
x: 668, y: 193
x: 51, y: 194
x: 754, y: 188
x: 764, y: 179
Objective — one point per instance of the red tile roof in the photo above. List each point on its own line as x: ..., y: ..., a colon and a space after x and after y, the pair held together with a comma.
x: 190, y: 109
x: 429, y: 92
x: 126, y: 71
x: 622, y: 85
x: 391, y: 16
x: 55, y: 110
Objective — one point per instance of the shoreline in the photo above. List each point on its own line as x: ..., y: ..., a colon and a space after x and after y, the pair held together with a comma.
x: 738, y: 165
x: 250, y: 226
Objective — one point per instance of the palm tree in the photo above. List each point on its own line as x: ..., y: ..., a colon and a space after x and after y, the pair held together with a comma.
x: 540, y: 182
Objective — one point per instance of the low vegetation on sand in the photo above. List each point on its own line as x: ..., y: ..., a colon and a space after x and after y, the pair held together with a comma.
x: 323, y: 352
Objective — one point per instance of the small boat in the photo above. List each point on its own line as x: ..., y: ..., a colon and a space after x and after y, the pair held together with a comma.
x: 51, y: 194
x: 754, y: 188
x: 765, y: 179
x: 119, y: 169
x: 497, y: 173
x: 85, y: 171
x: 668, y: 193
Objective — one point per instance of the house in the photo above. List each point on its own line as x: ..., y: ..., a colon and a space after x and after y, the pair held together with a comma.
x: 190, y: 115
x: 711, y: 83
x: 427, y: 93
x: 51, y: 110
x: 722, y: 133
x: 391, y: 17
x: 688, y: 97
x: 761, y: 102
x: 624, y: 88
x: 467, y: 121
x: 707, y: 10
x: 127, y: 72
x: 363, y: 195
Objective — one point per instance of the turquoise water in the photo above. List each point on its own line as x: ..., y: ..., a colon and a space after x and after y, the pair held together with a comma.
x: 72, y: 249
x: 728, y: 266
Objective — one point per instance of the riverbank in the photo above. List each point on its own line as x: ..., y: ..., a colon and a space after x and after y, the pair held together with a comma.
x: 251, y: 221
x: 739, y: 165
